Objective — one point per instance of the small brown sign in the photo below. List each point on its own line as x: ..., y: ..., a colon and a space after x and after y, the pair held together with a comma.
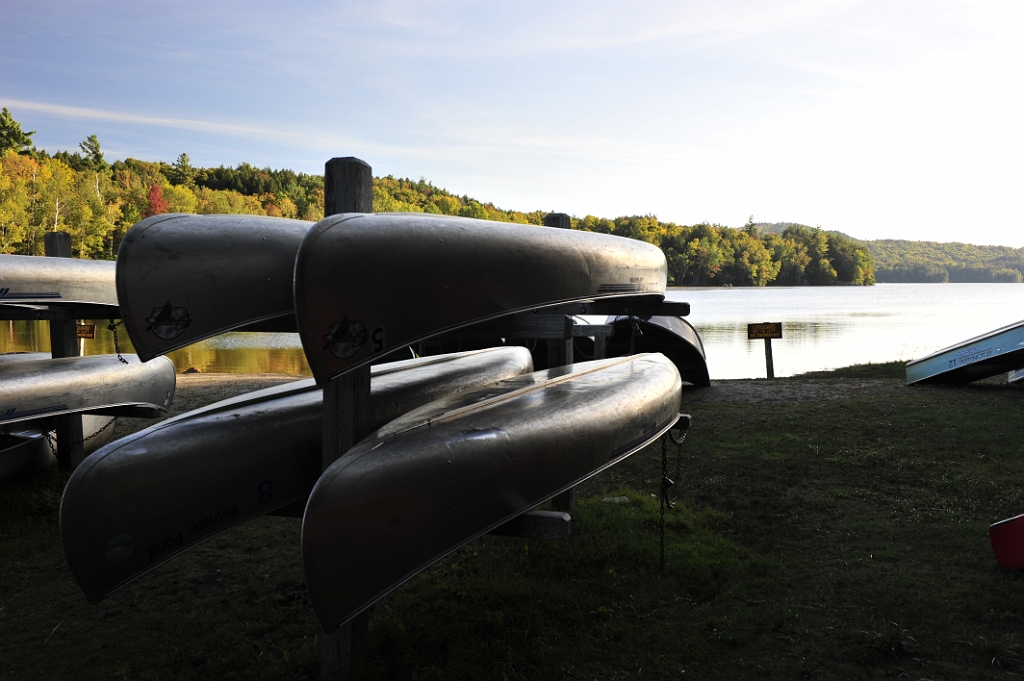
x: 85, y: 331
x: 764, y: 330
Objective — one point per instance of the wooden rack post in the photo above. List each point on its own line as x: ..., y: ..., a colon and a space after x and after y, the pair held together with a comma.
x: 64, y: 343
x: 348, y: 188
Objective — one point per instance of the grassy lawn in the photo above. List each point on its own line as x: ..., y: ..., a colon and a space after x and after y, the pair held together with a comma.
x: 829, y: 526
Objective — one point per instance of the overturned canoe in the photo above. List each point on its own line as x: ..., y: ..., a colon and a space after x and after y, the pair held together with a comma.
x: 673, y: 337
x: 18, y: 357
x: 442, y: 475
x: 25, y: 447
x: 183, y: 278
x: 996, y: 352
x: 26, y: 279
x: 150, y: 496
x: 100, y: 384
x: 368, y: 284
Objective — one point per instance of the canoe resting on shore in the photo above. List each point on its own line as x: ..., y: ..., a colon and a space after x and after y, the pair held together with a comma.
x: 996, y: 352
x: 438, y: 477
x: 147, y: 497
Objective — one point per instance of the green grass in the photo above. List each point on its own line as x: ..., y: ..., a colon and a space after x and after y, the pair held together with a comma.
x: 869, y: 370
x: 836, y: 538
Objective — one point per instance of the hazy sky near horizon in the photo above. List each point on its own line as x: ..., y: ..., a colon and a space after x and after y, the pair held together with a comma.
x: 881, y: 119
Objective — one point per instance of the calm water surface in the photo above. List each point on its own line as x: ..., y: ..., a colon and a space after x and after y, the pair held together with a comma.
x: 831, y: 327
x: 823, y: 328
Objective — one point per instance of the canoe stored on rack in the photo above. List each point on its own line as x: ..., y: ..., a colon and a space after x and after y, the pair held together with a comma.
x: 367, y: 284
x: 442, y: 475
x: 183, y: 278
x: 148, y: 497
x: 98, y: 384
x: 27, y: 279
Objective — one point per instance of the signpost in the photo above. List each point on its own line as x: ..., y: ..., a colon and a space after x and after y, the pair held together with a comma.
x: 767, y: 331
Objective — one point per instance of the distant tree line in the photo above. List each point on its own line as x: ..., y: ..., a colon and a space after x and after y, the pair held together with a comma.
x: 929, y: 261
x: 97, y: 202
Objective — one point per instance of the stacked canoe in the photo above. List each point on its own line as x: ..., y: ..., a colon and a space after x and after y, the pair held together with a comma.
x: 35, y: 389
x: 460, y: 443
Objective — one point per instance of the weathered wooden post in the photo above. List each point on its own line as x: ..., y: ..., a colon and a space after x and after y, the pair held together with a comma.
x: 64, y: 343
x: 560, y: 220
x: 348, y: 188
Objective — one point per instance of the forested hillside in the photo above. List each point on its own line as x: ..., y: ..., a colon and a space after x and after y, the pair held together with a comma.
x: 929, y: 261
x: 97, y: 202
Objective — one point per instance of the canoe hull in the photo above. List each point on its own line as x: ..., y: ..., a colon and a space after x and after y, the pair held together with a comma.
x: 184, y: 278
x: 368, y: 284
x: 27, y: 279
x: 997, y: 352
x: 150, y: 496
x: 442, y: 475
x: 97, y: 383
x: 24, y: 449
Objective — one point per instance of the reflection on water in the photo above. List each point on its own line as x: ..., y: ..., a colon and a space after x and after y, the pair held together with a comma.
x: 823, y: 328
x: 257, y: 353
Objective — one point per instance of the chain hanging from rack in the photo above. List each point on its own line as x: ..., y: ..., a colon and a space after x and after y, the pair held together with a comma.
x: 51, y: 436
x: 668, y: 501
x: 117, y: 347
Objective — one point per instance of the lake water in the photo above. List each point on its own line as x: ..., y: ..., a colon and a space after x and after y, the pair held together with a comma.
x: 823, y: 328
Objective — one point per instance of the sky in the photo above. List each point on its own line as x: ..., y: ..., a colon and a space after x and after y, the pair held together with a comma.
x: 888, y: 119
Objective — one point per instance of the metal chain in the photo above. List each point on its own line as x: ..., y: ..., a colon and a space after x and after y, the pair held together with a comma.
x: 576, y: 349
x: 666, y: 483
x: 679, y: 459
x: 51, y: 436
x: 117, y: 347
x: 108, y: 424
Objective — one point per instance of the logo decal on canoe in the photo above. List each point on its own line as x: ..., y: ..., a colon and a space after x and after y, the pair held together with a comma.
x: 344, y: 338
x: 120, y: 548
x: 168, y: 322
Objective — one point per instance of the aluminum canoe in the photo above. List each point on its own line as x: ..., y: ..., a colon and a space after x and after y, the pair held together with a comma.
x: 366, y: 284
x: 36, y: 280
x: 183, y: 278
x: 97, y: 383
x: 440, y: 476
x: 18, y: 357
x: 673, y: 337
x: 150, y: 496
x: 24, y: 448
x: 996, y: 352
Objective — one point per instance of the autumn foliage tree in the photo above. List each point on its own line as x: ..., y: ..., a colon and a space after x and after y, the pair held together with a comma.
x: 157, y: 202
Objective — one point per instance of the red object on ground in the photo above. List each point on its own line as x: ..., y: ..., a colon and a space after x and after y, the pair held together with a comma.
x: 1007, y: 537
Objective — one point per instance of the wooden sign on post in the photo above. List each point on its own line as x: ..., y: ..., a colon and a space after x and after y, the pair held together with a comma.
x: 87, y: 331
x: 767, y: 331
